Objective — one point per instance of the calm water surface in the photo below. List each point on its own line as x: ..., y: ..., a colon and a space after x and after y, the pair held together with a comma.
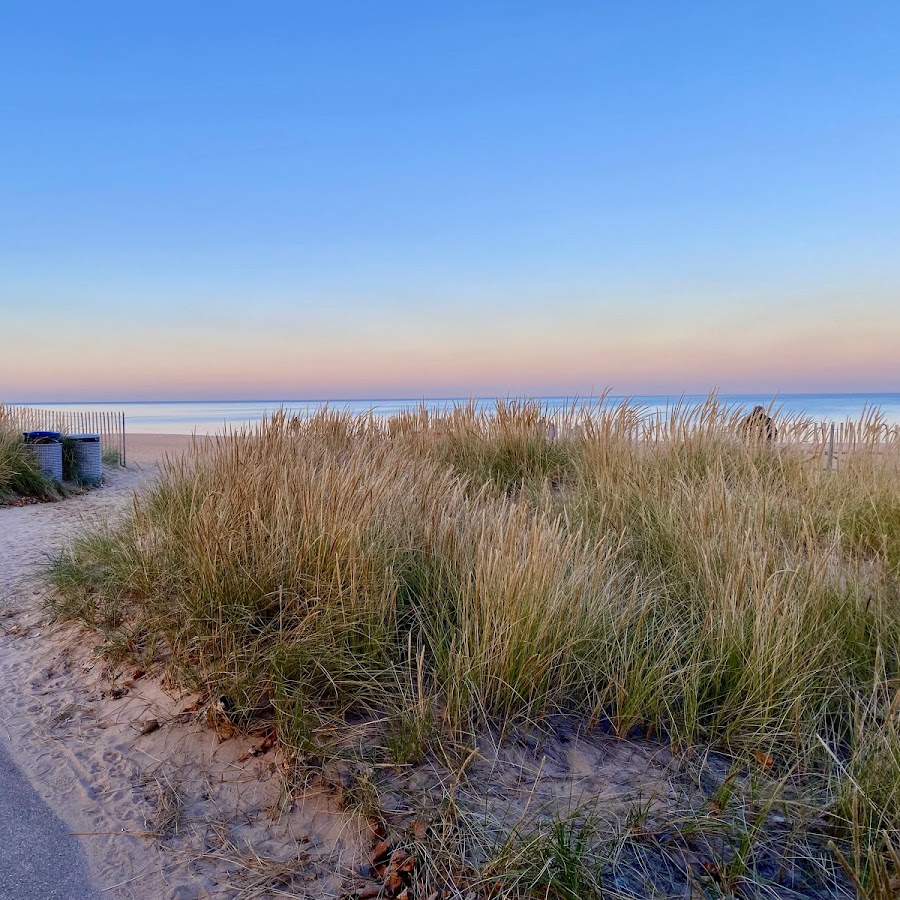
x: 204, y: 417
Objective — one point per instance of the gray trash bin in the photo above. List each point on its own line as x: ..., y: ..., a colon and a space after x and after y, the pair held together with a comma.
x: 88, y: 456
x: 47, y: 447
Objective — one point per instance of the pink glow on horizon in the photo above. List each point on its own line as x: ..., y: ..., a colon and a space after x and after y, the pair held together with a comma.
x: 545, y: 352
x: 538, y: 370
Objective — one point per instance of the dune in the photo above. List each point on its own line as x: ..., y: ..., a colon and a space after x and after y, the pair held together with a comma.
x: 164, y: 806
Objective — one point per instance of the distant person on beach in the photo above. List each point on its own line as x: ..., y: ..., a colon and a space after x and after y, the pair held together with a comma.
x: 758, y: 425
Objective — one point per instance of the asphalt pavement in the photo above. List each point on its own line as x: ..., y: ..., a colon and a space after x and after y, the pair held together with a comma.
x: 39, y: 858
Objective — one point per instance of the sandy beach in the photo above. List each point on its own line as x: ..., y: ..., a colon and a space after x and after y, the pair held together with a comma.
x: 146, y: 451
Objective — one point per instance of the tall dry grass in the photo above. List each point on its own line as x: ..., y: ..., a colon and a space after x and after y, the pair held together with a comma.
x: 442, y: 572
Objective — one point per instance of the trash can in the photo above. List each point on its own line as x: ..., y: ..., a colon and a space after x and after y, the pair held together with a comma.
x: 47, y: 447
x: 88, y: 457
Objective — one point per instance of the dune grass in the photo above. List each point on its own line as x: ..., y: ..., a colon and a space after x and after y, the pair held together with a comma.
x: 20, y: 474
x: 112, y: 458
x: 444, y: 573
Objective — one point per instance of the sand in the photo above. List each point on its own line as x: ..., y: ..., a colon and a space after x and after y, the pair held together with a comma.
x: 166, y: 806
x: 146, y: 450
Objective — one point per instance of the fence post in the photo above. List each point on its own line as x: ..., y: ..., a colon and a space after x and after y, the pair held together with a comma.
x: 831, y: 447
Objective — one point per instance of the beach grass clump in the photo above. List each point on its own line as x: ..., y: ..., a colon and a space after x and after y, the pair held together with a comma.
x: 112, y: 458
x: 702, y: 586
x: 299, y: 565
x: 770, y: 620
x: 515, y: 444
x: 20, y: 472
x: 442, y: 574
x: 870, y: 510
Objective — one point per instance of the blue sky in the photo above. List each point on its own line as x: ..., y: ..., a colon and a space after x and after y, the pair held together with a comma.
x: 373, y: 199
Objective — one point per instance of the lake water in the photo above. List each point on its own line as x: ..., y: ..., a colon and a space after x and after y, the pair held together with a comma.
x: 204, y: 417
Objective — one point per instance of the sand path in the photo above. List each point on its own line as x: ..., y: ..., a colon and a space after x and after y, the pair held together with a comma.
x: 31, y: 756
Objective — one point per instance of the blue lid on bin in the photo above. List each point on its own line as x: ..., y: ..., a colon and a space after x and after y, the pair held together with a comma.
x: 85, y: 438
x: 42, y: 437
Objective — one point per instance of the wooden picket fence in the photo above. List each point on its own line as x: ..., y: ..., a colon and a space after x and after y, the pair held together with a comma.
x: 109, y: 425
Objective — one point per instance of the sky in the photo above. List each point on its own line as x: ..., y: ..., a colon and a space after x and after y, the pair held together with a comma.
x: 335, y: 200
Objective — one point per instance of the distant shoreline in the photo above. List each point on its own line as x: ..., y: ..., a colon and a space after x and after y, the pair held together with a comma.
x: 207, y: 417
